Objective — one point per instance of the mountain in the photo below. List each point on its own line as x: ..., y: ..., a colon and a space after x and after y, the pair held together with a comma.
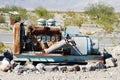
x: 59, y: 5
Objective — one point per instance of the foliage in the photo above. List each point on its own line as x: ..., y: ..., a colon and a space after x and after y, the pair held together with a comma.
x: 74, y: 18
x: 2, y: 46
x: 43, y: 13
x: 17, y: 17
x: 102, y: 14
x: 2, y: 19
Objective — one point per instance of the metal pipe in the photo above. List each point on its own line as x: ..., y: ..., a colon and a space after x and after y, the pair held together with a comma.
x: 55, y: 46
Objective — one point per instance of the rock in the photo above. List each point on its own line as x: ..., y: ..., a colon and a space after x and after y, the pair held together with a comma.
x: 19, y: 69
x: 29, y: 66
x: 5, y: 65
x: 83, y: 68
x: 92, y: 66
x: 63, y: 69
x: 99, y: 65
x: 111, y: 62
x: 51, y: 68
x: 13, y: 64
x: 88, y: 67
x: 74, y: 68
x: 40, y: 67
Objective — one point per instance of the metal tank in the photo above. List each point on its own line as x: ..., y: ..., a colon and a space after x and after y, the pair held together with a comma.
x: 41, y: 22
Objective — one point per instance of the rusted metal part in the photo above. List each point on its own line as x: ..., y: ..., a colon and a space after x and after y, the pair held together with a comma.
x: 38, y: 30
x: 43, y: 32
x: 16, y: 40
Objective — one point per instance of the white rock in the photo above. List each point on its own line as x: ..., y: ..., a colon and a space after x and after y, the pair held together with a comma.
x: 111, y: 62
x: 51, y: 68
x: 18, y: 69
x: 30, y: 67
x: 5, y: 65
x: 40, y: 66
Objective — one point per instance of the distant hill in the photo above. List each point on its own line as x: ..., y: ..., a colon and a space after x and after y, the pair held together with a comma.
x: 59, y: 5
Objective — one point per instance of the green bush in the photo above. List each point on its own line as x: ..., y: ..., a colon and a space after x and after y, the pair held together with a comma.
x: 17, y: 17
x: 2, y: 19
x: 2, y: 46
x: 43, y: 13
x: 102, y: 14
x: 74, y: 19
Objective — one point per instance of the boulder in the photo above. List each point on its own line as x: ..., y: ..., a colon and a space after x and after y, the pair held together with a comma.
x: 40, y: 67
x: 74, y: 68
x: 63, y: 69
x: 51, y: 68
x: 5, y: 65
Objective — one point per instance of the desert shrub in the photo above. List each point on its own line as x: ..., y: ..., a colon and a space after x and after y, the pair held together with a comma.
x: 2, y: 19
x: 74, y: 19
x: 2, y: 46
x: 102, y: 14
x: 17, y: 17
x: 43, y: 13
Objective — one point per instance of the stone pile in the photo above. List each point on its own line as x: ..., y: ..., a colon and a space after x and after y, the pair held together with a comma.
x: 7, y: 65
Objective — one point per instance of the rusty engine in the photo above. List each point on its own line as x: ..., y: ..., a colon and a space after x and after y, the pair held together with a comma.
x: 48, y: 43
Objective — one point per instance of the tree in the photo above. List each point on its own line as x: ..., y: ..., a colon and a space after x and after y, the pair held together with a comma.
x: 102, y: 14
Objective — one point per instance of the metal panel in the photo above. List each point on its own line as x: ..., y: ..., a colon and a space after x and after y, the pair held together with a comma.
x: 89, y: 46
x: 82, y: 58
x: 81, y: 46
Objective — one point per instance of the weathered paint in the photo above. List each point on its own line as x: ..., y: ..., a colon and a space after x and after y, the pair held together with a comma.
x: 83, y: 58
x: 16, y: 40
x: 83, y: 44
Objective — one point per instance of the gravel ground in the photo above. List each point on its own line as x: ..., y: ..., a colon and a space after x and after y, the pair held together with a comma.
x: 109, y: 74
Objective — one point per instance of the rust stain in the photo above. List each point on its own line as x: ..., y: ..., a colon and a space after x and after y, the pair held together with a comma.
x: 16, y: 40
x: 36, y: 30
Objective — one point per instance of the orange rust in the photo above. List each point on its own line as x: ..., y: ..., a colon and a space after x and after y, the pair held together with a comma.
x: 16, y: 41
x: 36, y: 30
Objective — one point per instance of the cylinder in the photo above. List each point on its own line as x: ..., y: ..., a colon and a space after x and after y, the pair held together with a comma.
x: 55, y: 46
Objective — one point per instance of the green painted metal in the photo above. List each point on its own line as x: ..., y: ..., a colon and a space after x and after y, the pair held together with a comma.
x: 82, y: 58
